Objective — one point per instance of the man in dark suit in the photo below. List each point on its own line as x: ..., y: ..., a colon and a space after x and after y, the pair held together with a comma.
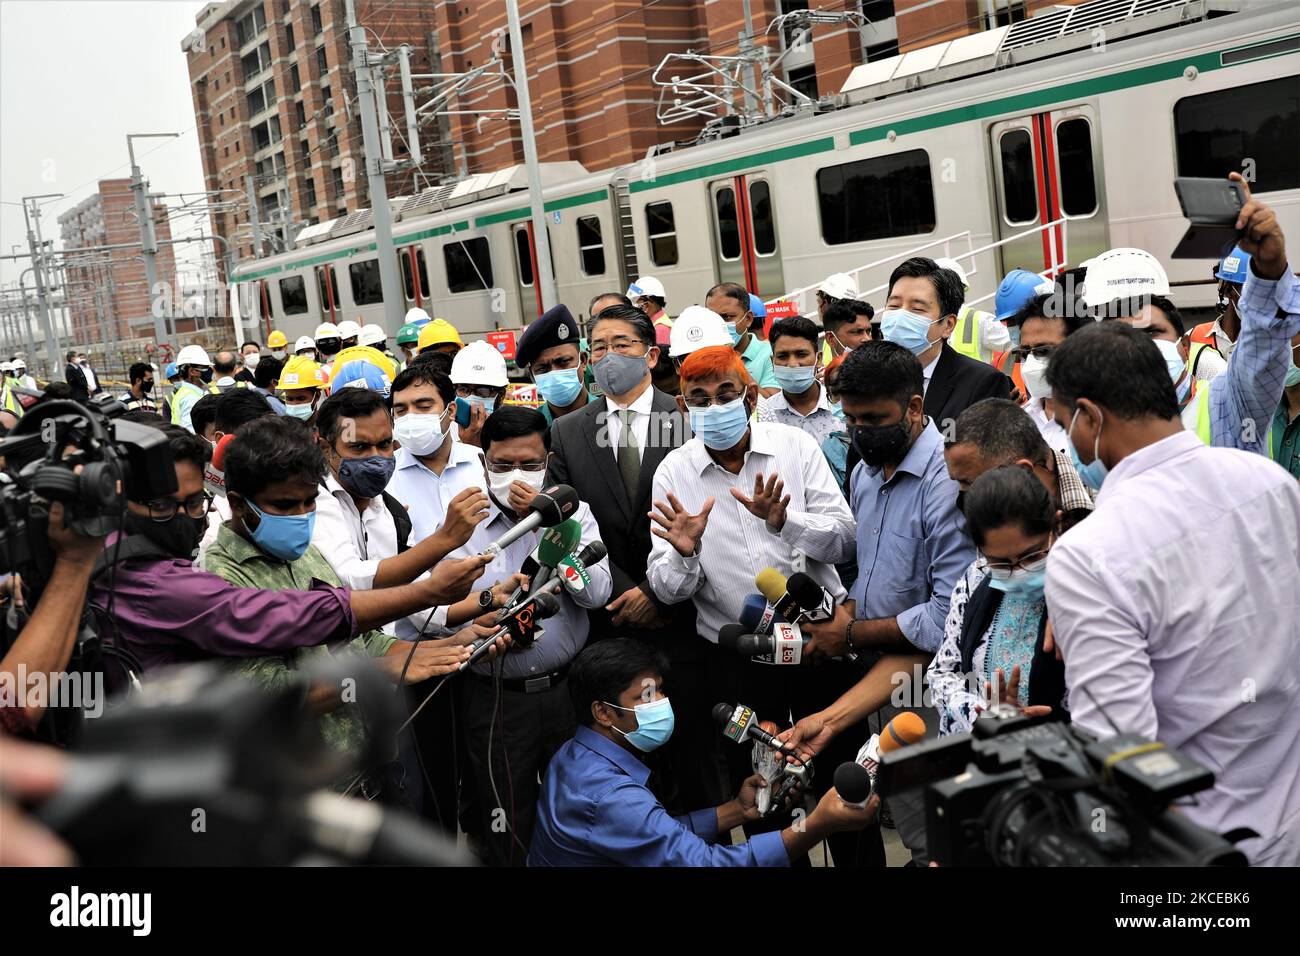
x: 76, y: 379
x: 920, y: 315
x: 608, y: 451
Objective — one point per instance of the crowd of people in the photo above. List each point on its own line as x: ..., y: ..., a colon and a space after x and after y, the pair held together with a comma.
x: 1070, y: 504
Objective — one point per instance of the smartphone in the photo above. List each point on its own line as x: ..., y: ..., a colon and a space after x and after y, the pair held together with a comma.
x: 1210, y: 202
x: 463, y: 409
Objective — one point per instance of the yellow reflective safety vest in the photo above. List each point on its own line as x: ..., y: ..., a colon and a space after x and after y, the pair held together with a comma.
x: 1205, y: 432
x: 965, y: 338
x: 180, y: 390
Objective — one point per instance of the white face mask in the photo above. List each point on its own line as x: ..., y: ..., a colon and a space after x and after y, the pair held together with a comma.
x: 278, y: 356
x: 251, y: 359
x: 499, y: 485
x: 421, y: 433
x: 1034, y: 372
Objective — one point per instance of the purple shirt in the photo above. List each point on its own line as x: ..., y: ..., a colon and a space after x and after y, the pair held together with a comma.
x: 168, y: 612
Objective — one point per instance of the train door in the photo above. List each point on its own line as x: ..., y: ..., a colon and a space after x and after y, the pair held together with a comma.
x: 415, y: 276
x: 327, y: 287
x: 746, y: 248
x: 530, y: 292
x: 1047, y: 166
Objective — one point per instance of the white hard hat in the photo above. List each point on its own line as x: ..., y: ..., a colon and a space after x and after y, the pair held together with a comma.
x: 1123, y: 274
x: 839, y: 285
x: 372, y: 333
x: 646, y: 285
x: 415, y: 315
x: 697, y: 328
x: 304, y: 342
x: 946, y: 263
x: 19, y: 363
x: 349, y: 329
x: 327, y: 330
x: 479, y: 364
x: 192, y: 355
x: 6, y: 366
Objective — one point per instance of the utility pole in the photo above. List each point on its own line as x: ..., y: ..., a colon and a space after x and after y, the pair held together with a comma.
x: 546, y: 275
x: 254, y: 216
x: 38, y: 271
x: 389, y: 280
x: 148, y: 241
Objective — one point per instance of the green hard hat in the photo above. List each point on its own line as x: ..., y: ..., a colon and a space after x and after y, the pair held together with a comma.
x: 408, y: 334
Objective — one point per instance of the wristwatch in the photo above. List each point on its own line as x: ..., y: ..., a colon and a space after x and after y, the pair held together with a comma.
x: 485, y: 600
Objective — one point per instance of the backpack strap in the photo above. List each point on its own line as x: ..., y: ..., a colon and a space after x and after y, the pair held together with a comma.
x: 401, y: 520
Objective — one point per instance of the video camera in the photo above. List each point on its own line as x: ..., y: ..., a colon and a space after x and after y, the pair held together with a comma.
x: 41, y: 457
x: 1033, y: 791
x: 206, y: 768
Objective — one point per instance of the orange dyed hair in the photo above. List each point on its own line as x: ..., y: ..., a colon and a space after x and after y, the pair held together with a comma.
x: 716, y: 361
x: 836, y: 362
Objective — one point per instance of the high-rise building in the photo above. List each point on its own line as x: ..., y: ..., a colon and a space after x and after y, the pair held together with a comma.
x: 107, y: 293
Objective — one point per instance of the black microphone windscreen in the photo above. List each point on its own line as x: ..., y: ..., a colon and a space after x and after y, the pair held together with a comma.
x: 729, y: 639
x: 593, y: 553
x: 806, y: 591
x: 722, y: 714
x: 555, y: 504
x: 547, y: 606
x: 852, y: 782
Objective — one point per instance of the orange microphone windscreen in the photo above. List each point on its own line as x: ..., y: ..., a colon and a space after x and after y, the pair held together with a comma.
x: 906, y: 728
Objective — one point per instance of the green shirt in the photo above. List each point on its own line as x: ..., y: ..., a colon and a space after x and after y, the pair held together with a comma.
x: 242, y: 564
x: 758, y: 362
x: 1284, y: 439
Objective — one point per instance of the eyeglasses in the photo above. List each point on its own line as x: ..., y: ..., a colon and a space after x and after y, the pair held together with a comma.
x: 722, y: 398
x: 164, y: 509
x: 622, y: 345
x: 1022, y: 352
x: 562, y: 364
x: 504, y: 468
x: 476, y: 391
x: 1024, y: 561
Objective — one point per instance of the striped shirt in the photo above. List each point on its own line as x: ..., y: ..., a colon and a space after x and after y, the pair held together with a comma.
x: 736, y: 544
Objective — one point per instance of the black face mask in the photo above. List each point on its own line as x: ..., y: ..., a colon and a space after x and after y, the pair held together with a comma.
x: 179, y: 536
x: 879, y: 445
x: 207, y: 376
x: 146, y: 387
x: 329, y: 346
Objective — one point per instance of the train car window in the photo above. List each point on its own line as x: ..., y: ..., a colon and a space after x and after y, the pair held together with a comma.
x: 293, y: 295
x: 367, y: 289
x: 1019, y: 185
x: 1246, y: 128
x: 469, y: 265
x: 724, y: 203
x: 760, y: 212
x: 878, y: 198
x: 661, y: 228
x: 523, y: 258
x: 1074, y: 165
x: 591, y: 249
x: 404, y: 257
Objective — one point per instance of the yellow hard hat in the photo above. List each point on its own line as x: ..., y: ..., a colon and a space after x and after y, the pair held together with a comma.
x: 438, y: 332
x: 301, y: 372
x: 276, y: 340
x: 364, y: 353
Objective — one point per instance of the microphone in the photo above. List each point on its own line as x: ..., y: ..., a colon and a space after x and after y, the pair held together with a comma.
x: 772, y: 584
x: 853, y: 783
x: 756, y: 615
x: 555, y: 544
x: 572, y: 569
x: 548, y: 509
x: 740, y: 723
x: 591, y: 554
x: 907, y: 728
x: 814, y: 600
x: 521, y: 626
x: 783, y: 646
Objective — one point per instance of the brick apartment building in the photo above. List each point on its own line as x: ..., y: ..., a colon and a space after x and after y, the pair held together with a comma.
x: 273, y: 86
x: 111, y: 284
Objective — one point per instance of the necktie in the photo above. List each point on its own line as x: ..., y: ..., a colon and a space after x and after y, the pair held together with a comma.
x: 629, y: 455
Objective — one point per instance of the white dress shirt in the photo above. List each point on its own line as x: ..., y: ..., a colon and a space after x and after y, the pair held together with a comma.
x: 92, y: 383
x: 1052, y: 433
x: 928, y: 371
x: 642, y: 410
x: 425, y: 495
x: 736, y: 544
x: 1177, y: 609
x: 566, y: 632
x: 353, y: 543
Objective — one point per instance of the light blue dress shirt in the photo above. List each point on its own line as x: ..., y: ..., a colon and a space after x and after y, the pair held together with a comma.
x: 912, y: 542
x: 595, y: 810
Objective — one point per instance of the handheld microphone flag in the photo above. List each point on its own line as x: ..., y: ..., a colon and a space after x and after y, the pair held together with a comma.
x: 549, y: 508
x: 814, y: 600
x: 783, y: 646
x: 772, y: 584
x: 572, y: 569
x: 554, y: 544
x: 740, y: 723
x: 521, y: 626
x: 757, y: 616
x: 907, y: 728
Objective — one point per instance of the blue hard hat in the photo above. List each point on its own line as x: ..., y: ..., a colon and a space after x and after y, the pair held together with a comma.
x: 172, y: 371
x: 361, y: 374
x: 757, y: 307
x: 1234, y: 266
x: 1016, y: 291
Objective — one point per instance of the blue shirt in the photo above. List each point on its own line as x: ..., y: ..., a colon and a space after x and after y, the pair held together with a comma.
x: 912, y: 542
x: 595, y: 810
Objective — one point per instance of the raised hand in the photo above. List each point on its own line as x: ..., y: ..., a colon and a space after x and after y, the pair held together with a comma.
x: 767, y: 502
x: 678, y: 526
x: 464, y: 512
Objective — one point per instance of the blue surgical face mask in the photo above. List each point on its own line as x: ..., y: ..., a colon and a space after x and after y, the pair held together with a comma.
x: 907, y: 329
x: 560, y: 387
x: 654, y: 724
x: 795, y: 379
x: 302, y: 412
x: 1292, y: 375
x: 1093, y: 473
x: 286, y: 537
x: 366, y: 477
x: 1026, y: 582
x: 721, y: 426
x: 735, y: 336
x: 837, y: 409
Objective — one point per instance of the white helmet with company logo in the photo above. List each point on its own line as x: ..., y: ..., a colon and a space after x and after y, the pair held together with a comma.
x: 1123, y: 274
x: 697, y: 328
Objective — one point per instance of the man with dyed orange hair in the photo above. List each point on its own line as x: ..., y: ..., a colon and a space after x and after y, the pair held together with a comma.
x: 737, y: 498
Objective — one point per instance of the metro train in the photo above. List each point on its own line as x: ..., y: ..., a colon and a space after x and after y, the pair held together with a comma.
x: 978, y: 142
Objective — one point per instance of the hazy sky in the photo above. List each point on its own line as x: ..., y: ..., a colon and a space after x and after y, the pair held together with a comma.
x: 75, y: 77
